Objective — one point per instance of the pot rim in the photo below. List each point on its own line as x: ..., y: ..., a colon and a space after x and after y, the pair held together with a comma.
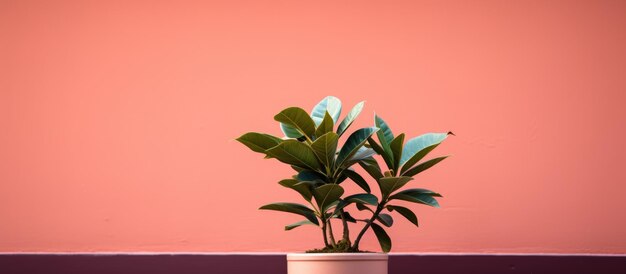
x: 337, y: 257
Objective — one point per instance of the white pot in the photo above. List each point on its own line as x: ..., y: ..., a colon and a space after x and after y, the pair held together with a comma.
x: 337, y: 263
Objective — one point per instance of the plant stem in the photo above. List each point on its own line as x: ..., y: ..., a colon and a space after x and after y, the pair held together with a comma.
x: 380, y: 208
x: 346, y: 230
x: 330, y: 233
x: 324, y: 233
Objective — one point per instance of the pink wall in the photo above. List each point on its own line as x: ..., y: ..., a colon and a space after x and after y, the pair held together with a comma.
x: 118, y: 119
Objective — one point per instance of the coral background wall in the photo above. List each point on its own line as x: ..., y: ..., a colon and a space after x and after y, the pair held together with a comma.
x: 118, y: 119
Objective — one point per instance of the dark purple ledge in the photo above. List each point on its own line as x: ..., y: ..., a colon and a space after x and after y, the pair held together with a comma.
x: 276, y: 264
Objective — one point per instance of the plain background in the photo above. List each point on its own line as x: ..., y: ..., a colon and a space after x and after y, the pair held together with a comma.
x: 118, y: 119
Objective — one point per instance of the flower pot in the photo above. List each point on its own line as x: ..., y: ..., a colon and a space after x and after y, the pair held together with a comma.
x: 337, y: 263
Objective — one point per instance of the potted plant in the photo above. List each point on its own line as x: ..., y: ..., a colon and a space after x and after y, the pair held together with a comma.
x: 311, y: 148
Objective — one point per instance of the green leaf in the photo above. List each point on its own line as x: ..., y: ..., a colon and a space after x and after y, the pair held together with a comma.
x: 361, y: 154
x: 383, y: 238
x: 298, y: 119
x: 355, y: 177
x: 354, y: 142
x: 385, y: 219
x: 418, y: 156
x: 325, y: 148
x: 346, y: 215
x: 342, y: 177
x: 384, y: 135
x: 362, y: 198
x: 375, y: 146
x: 423, y: 166
x: 416, y: 148
x: 290, y: 131
x: 310, y: 175
x: 340, y: 205
x: 303, y: 189
x: 390, y: 184
x: 299, y: 209
x: 330, y: 104
x: 333, y: 204
x: 325, y: 127
x: 349, y: 217
x: 371, y: 166
x: 347, y: 121
x: 417, y: 195
x: 359, y: 200
x: 259, y: 142
x: 312, y: 184
x: 396, y: 149
x: 413, y: 191
x: 387, y: 155
x: 362, y: 207
x: 407, y: 213
x: 326, y: 195
x: 295, y: 153
x: 300, y: 223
